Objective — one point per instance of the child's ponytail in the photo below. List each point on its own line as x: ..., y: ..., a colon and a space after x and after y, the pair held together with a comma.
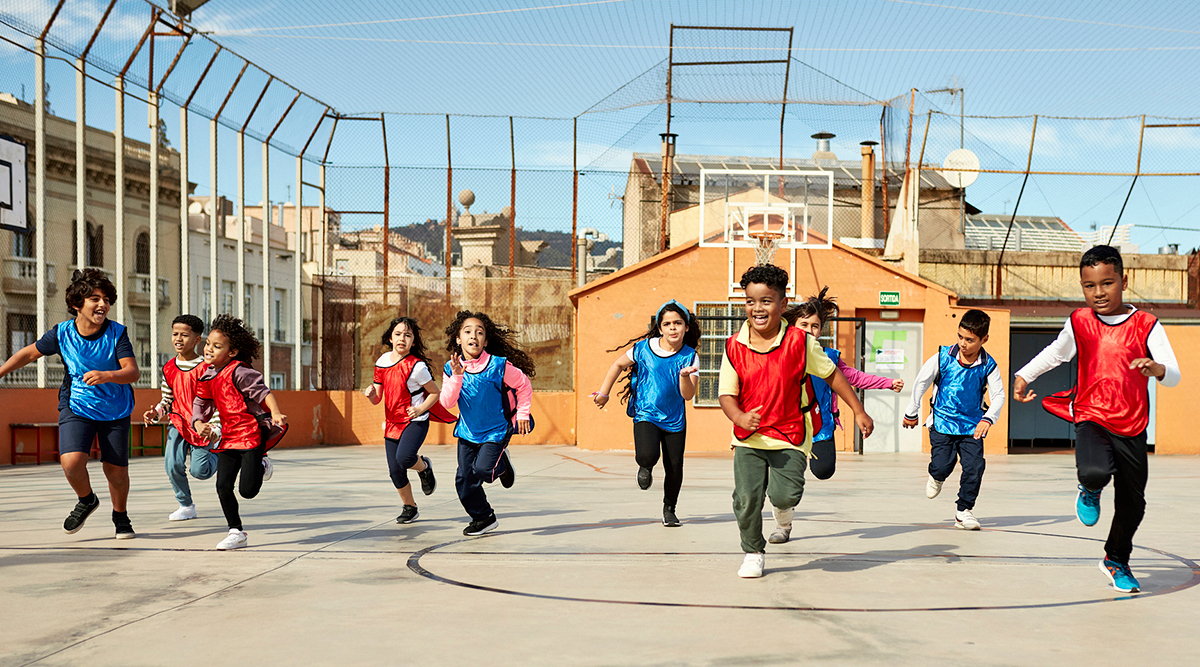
x: 824, y: 307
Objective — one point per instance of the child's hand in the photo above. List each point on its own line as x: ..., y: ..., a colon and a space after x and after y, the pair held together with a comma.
x: 910, y: 423
x: 1148, y: 367
x: 1019, y: 390
x: 750, y: 420
x: 865, y: 424
x: 150, y: 416
x: 456, y: 364
x: 370, y: 392
x: 523, y: 426
x: 897, y: 385
x: 279, y: 419
x: 689, y: 371
x: 981, y: 430
x: 204, y: 430
x: 93, y: 378
x: 599, y: 399
x: 414, y: 411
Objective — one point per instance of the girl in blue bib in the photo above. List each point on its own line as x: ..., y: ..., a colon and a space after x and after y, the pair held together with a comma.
x: 487, y: 378
x: 662, y: 371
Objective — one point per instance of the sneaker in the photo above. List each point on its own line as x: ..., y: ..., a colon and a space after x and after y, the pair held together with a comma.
x: 268, y: 469
x: 1120, y: 576
x: 78, y: 516
x: 509, y: 475
x: 409, y: 514
x: 428, y: 481
x: 783, y: 525
x: 752, y: 566
x: 481, y: 526
x: 669, y: 518
x: 780, y: 535
x: 124, y: 529
x: 965, y: 520
x: 1087, y: 506
x: 645, y: 477
x: 184, y: 513
x: 236, y: 539
x: 933, y: 488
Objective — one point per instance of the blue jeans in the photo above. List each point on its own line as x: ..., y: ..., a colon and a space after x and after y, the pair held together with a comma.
x: 204, y: 464
x: 945, y: 450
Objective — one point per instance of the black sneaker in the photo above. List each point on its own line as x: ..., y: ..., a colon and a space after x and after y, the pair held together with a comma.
x: 79, y: 515
x: 645, y: 477
x: 409, y: 514
x: 669, y: 518
x: 509, y: 475
x: 481, y: 526
x: 124, y: 529
x: 428, y: 481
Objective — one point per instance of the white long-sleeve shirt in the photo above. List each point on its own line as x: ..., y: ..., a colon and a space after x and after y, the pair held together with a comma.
x: 1063, y: 349
x: 928, y: 378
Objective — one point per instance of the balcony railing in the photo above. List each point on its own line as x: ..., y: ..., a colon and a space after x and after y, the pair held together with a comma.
x: 139, y: 290
x: 20, y: 275
x: 27, y: 377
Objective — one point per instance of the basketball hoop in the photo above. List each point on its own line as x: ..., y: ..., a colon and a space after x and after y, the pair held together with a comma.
x: 768, y: 243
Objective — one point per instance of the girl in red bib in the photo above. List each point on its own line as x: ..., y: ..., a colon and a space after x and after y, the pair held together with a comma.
x: 405, y: 384
x: 251, y: 423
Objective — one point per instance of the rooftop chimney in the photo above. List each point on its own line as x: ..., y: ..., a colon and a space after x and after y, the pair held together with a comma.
x: 823, y: 152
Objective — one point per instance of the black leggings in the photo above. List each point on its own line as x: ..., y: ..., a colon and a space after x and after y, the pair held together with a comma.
x: 824, y: 459
x: 229, y: 463
x: 648, y: 442
x: 402, y: 453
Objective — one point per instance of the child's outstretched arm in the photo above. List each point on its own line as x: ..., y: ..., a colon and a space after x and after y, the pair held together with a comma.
x: 841, y: 386
x: 860, y: 380
x: 689, y: 381
x: 1059, y: 352
x: 23, y: 357
x: 619, y: 366
x: 925, y: 379
x: 516, y: 378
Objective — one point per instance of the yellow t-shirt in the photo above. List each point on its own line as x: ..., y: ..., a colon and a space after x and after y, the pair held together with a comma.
x: 817, y: 364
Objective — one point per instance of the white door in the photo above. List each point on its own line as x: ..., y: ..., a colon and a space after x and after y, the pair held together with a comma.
x: 893, y: 351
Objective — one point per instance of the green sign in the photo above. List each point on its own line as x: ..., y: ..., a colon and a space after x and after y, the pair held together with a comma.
x: 889, y: 298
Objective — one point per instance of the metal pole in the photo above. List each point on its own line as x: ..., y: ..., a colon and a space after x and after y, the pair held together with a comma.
x: 81, y: 166
x: 1013, y: 219
x: 119, y: 202
x: 39, y: 235
x: 1137, y: 172
x: 319, y: 356
x: 154, y: 306
x: 783, y: 109
x: 908, y: 146
x: 575, y: 268
x: 239, y: 296
x: 297, y: 301
x: 883, y: 176
x: 665, y: 210
x: 268, y: 294
x: 184, y: 232
x: 512, y: 205
x: 449, y: 205
x: 387, y: 218
x: 214, y: 282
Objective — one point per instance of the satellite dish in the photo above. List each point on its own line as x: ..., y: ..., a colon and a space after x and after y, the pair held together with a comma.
x: 960, y: 159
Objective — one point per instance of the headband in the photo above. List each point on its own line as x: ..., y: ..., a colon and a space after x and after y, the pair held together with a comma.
x: 658, y: 314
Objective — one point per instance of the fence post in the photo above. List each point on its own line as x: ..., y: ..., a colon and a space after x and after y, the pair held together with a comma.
x: 39, y: 233
x: 81, y: 166
x: 268, y: 292
x: 449, y: 206
x: 319, y: 357
x: 297, y: 301
x: 184, y: 232
x: 214, y: 206
x: 154, y: 308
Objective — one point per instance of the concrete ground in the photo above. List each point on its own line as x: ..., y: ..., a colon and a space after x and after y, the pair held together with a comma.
x: 582, y: 572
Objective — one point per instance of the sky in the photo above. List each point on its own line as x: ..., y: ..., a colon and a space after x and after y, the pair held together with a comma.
x: 549, y: 62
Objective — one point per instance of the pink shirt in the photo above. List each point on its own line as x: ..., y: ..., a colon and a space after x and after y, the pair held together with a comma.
x: 858, y: 380
x: 513, y: 377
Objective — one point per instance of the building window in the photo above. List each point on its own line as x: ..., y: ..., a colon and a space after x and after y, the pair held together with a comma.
x: 206, y: 300
x: 279, y: 315
x: 278, y: 381
x: 142, y: 253
x: 248, y: 306
x: 718, y: 321
x: 95, y: 245
x: 141, y: 343
x: 23, y: 241
x: 226, y: 297
x: 22, y: 331
x: 343, y: 266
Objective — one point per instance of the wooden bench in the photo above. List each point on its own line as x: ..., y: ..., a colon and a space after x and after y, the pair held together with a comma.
x: 38, y: 427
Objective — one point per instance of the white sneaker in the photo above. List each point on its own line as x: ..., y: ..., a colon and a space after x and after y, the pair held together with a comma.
x: 933, y: 488
x: 184, y: 513
x: 752, y: 566
x: 966, y: 520
x: 268, y: 469
x: 236, y: 539
x: 783, y: 525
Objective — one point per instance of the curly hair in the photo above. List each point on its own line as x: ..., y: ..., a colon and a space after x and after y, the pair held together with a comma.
x: 766, y: 274
x: 418, y: 348
x: 241, y: 338
x: 85, y: 283
x: 824, y: 307
x: 691, y: 339
x: 499, y: 341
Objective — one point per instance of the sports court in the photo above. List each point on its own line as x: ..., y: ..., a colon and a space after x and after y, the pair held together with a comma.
x: 582, y: 572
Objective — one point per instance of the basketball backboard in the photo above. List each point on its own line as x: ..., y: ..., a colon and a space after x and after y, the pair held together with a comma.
x: 13, y: 187
x: 741, y: 207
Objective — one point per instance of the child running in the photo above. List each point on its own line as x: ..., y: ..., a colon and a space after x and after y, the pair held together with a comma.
x: 962, y: 375
x: 764, y: 390
x: 178, y: 392
x: 811, y: 316
x: 405, y: 385
x: 662, y: 375
x: 251, y: 423
x: 95, y: 400
x: 1120, y: 349
x: 487, y: 377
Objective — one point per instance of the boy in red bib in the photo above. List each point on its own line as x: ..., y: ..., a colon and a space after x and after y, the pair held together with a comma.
x: 1120, y: 349
x: 764, y: 390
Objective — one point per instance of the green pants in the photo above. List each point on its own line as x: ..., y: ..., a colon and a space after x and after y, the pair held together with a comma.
x: 759, y: 473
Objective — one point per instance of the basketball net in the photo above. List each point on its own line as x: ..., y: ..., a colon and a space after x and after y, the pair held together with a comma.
x: 768, y: 243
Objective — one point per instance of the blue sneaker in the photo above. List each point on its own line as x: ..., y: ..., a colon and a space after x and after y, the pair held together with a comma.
x: 1120, y: 576
x: 1087, y: 506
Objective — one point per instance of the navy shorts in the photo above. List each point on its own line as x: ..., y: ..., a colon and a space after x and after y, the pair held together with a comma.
x: 75, y: 434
